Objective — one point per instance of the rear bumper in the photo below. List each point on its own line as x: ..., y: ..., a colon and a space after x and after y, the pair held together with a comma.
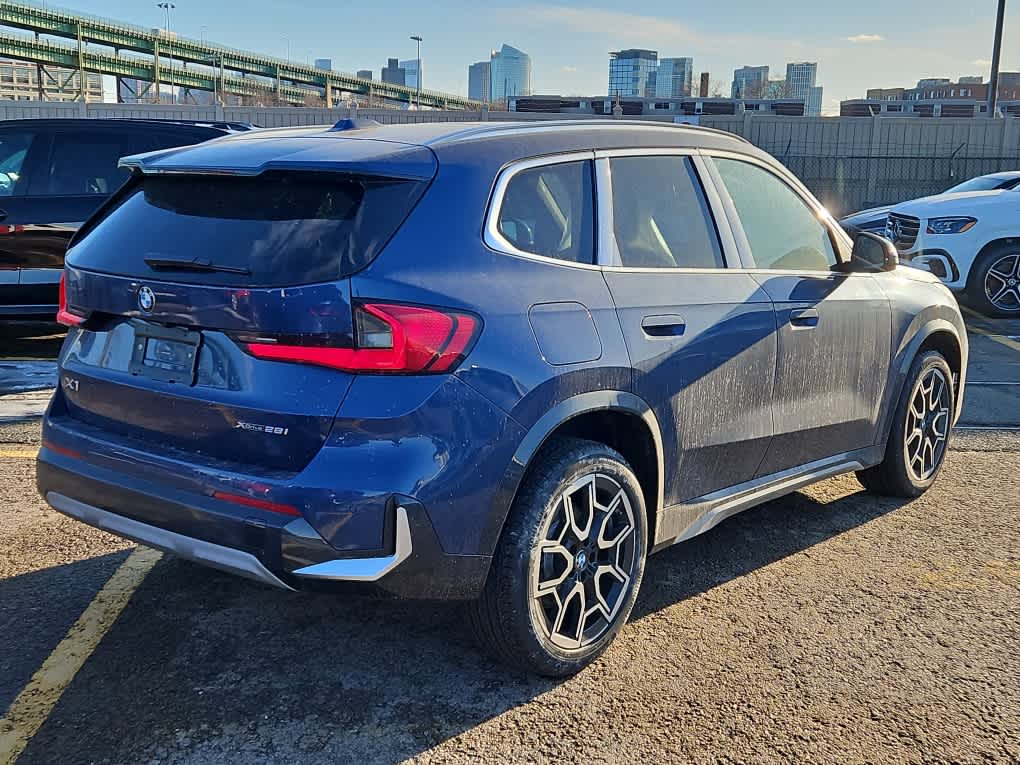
x: 285, y: 552
x: 217, y: 556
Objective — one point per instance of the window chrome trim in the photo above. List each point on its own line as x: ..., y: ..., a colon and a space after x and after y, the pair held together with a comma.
x: 777, y: 169
x: 494, y: 238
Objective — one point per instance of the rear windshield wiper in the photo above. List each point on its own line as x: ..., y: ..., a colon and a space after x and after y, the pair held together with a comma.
x: 194, y: 264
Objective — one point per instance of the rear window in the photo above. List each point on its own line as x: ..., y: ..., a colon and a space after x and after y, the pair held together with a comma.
x: 270, y: 230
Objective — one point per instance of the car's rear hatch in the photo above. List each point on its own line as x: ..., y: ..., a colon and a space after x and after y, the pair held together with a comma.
x: 207, y: 250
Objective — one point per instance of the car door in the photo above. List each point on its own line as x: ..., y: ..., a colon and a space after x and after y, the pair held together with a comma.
x: 20, y: 145
x: 700, y: 331
x: 79, y: 173
x: 833, y: 328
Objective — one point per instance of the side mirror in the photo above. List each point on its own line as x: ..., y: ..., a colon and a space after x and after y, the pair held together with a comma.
x: 873, y: 253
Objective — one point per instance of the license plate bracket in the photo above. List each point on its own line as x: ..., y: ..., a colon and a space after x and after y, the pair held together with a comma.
x: 167, y: 354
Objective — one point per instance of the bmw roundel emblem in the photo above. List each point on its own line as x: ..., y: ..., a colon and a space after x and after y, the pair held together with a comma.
x: 146, y: 299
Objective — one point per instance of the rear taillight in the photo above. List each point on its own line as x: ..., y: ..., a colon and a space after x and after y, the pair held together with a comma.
x: 389, y: 338
x: 64, y: 315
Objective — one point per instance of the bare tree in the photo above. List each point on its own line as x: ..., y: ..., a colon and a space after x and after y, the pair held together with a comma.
x: 718, y: 89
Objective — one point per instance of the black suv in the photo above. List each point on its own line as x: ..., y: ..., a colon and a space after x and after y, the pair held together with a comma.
x: 53, y: 175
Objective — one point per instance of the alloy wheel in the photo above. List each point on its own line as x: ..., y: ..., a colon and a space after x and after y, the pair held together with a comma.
x: 582, y: 569
x: 1002, y: 283
x: 927, y: 425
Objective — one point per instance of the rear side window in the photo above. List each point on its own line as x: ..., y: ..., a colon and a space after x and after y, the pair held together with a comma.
x: 660, y: 217
x: 83, y: 163
x: 271, y: 230
x: 549, y: 211
x: 14, y: 148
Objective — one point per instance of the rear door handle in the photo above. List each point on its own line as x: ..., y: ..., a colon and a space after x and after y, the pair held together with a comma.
x: 3, y: 215
x: 664, y: 325
x: 804, y: 317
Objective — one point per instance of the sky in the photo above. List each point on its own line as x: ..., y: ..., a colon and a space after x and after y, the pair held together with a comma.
x: 867, y: 43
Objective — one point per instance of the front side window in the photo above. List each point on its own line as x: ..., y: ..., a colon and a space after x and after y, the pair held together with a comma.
x: 14, y: 148
x: 660, y: 218
x: 783, y: 231
x: 549, y: 211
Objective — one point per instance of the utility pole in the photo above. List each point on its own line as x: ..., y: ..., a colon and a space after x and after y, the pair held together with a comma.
x: 167, y: 7
x: 417, y: 76
x: 993, y: 81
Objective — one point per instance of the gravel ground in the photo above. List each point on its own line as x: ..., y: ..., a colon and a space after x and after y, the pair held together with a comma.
x: 829, y: 626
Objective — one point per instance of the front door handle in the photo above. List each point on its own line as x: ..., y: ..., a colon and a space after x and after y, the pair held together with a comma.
x: 664, y: 325
x: 804, y: 317
x: 3, y: 215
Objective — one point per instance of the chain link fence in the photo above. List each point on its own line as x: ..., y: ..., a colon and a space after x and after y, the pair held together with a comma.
x: 847, y: 184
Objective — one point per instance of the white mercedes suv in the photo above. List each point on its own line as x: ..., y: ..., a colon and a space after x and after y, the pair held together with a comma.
x: 971, y: 241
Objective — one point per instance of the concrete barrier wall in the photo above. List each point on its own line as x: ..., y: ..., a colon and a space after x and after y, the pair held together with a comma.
x: 850, y: 162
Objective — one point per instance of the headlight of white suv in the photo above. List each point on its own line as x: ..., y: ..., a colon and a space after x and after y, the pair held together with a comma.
x: 955, y: 225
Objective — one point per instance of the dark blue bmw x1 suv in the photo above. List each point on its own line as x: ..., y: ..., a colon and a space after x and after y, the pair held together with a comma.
x: 500, y: 363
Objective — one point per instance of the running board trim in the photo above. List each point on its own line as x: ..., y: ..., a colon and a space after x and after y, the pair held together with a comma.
x: 364, y: 569
x: 718, y: 506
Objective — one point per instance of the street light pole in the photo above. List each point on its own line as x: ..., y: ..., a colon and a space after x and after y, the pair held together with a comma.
x: 993, y: 81
x: 167, y: 7
x: 417, y: 76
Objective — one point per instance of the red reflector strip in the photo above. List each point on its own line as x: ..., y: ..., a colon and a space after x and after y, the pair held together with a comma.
x: 261, y: 504
x: 63, y: 451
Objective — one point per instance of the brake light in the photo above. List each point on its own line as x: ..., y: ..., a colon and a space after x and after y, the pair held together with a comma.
x: 64, y: 315
x: 389, y: 338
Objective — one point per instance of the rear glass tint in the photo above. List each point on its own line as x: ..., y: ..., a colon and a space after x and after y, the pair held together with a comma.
x: 282, y: 229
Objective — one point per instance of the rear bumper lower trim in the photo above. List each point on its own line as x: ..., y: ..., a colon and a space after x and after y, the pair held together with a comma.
x: 217, y: 556
x: 364, y: 569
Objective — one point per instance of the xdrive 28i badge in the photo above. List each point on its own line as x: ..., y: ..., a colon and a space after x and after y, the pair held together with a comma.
x: 146, y: 299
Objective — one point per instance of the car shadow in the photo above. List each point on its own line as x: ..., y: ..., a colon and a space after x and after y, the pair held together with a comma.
x: 205, y: 667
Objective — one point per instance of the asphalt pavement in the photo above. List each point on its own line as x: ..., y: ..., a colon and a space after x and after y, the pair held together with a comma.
x: 827, y: 626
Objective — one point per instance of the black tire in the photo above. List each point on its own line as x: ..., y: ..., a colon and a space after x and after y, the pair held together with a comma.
x: 511, y: 623
x: 898, y: 475
x: 1003, y: 258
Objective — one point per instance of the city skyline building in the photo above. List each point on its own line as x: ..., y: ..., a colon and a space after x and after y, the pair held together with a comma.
x: 674, y: 77
x: 392, y: 73
x: 20, y: 81
x: 509, y: 73
x: 749, y: 82
x: 801, y: 82
x: 479, y: 87
x: 633, y: 72
x: 410, y: 67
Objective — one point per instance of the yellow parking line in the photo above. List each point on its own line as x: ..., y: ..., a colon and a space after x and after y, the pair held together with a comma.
x: 33, y: 705
x: 1007, y: 341
x: 15, y: 454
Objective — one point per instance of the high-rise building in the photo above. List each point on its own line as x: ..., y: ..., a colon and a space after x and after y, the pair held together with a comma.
x: 509, y: 74
x: 478, y: 81
x: 750, y: 82
x: 324, y: 63
x: 800, y: 83
x: 392, y: 72
x: 19, y: 81
x: 410, y: 68
x: 674, y: 77
x: 632, y: 73
x: 703, y: 89
x: 365, y: 74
